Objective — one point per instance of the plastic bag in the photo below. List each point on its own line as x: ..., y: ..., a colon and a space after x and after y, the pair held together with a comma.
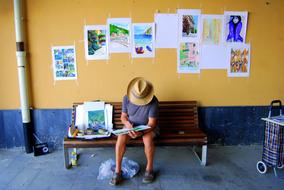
x: 129, y: 168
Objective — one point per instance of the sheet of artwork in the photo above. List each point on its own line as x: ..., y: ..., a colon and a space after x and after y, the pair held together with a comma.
x: 189, y: 22
x: 188, y: 57
x: 212, y: 26
x: 213, y: 57
x: 95, y: 115
x: 119, y: 32
x: 238, y: 57
x: 64, y: 62
x: 96, y: 42
x: 235, y: 26
x: 166, y: 30
x: 143, y: 40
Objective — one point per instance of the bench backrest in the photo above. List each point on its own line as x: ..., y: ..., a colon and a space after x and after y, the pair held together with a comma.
x: 175, y: 117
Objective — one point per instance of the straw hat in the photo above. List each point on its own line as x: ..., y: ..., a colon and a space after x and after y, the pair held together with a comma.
x: 140, y: 91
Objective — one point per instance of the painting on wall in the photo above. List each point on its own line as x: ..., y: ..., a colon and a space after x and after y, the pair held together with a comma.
x: 235, y: 26
x: 143, y: 39
x: 96, y: 42
x: 64, y: 63
x: 238, y: 56
x: 188, y: 57
x: 119, y: 32
x: 212, y: 29
x: 189, y: 24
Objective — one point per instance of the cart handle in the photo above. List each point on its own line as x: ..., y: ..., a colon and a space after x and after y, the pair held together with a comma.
x: 273, y: 107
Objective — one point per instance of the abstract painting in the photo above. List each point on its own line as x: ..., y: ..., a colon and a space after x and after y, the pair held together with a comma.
x: 238, y: 56
x: 188, y: 57
x: 189, y: 25
x: 212, y: 29
x: 119, y: 30
x: 96, y: 42
x: 143, y: 40
x: 235, y: 26
x: 64, y: 63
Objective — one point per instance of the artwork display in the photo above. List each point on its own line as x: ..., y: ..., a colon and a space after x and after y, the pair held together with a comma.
x: 64, y: 63
x: 143, y: 39
x: 119, y: 32
x: 188, y: 57
x: 235, y: 26
x: 189, y: 25
x: 96, y: 42
x: 238, y: 56
x: 163, y: 31
x: 212, y: 29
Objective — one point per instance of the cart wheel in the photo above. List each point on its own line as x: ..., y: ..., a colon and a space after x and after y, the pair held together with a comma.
x: 261, y: 167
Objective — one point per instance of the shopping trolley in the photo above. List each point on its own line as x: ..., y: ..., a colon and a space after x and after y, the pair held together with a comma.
x: 273, y: 144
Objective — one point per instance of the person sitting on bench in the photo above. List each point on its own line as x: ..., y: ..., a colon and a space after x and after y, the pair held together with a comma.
x: 139, y: 107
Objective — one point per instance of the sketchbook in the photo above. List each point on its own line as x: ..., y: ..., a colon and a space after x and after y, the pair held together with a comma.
x: 126, y: 130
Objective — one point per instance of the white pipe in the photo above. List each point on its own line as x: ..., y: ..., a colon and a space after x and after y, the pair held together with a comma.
x: 22, y: 75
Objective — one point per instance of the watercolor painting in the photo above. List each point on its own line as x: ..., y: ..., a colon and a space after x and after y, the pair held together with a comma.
x: 119, y: 35
x: 238, y: 56
x: 96, y: 42
x: 64, y: 63
x: 96, y: 119
x: 189, y: 24
x: 188, y: 57
x: 143, y: 40
x: 212, y: 29
x: 235, y: 26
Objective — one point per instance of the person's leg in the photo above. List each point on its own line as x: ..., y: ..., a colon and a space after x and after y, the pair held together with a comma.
x: 120, y: 150
x: 149, y: 148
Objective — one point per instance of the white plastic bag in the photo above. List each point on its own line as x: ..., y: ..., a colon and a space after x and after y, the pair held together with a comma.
x: 129, y: 168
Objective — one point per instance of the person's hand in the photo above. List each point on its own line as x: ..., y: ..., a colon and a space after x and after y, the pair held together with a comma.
x: 134, y: 134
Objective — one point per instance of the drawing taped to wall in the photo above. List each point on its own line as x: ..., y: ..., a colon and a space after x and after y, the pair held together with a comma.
x: 189, y: 24
x: 119, y: 32
x: 235, y: 26
x: 238, y: 56
x: 96, y: 42
x: 64, y: 63
x: 212, y: 29
x: 143, y: 39
x: 188, y: 57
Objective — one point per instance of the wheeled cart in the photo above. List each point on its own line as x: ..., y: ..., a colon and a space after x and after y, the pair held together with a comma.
x: 273, y: 143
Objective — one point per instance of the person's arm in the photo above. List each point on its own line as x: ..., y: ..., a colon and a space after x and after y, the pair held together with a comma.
x: 125, y: 121
x: 152, y: 122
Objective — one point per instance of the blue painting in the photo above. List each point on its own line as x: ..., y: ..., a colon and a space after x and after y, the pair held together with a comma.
x: 143, y: 40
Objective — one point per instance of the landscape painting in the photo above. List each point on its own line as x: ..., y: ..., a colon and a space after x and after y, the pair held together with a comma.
x: 96, y: 42
x: 96, y: 119
x: 188, y: 57
x: 143, y: 40
x: 119, y: 35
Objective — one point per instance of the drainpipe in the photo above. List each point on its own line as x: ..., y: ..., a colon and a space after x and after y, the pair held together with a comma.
x: 23, y: 87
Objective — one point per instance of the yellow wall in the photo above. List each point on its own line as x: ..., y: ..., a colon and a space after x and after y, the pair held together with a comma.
x: 60, y: 22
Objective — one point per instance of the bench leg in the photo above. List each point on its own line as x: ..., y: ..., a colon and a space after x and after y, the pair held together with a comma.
x: 66, y: 158
x: 203, y: 157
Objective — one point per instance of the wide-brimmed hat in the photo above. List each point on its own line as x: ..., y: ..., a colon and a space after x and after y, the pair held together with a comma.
x: 140, y: 91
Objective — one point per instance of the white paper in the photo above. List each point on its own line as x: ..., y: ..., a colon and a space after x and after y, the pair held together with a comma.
x: 166, y: 30
x: 235, y: 29
x: 143, y: 40
x: 126, y: 130
x: 79, y: 117
x: 212, y: 29
x: 188, y: 57
x: 64, y: 62
x: 120, y: 37
x: 238, y: 60
x: 213, y: 57
x: 108, y: 116
x: 189, y: 25
x: 96, y: 48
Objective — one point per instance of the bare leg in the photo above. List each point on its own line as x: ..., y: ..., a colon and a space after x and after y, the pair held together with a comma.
x: 120, y: 150
x: 149, y: 148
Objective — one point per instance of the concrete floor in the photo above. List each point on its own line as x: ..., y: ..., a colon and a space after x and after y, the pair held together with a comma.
x: 177, y: 168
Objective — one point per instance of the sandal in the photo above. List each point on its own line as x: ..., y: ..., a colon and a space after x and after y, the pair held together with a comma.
x: 116, y: 179
x: 148, y: 177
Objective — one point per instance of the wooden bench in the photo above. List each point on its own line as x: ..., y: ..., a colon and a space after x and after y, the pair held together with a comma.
x: 178, y: 122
